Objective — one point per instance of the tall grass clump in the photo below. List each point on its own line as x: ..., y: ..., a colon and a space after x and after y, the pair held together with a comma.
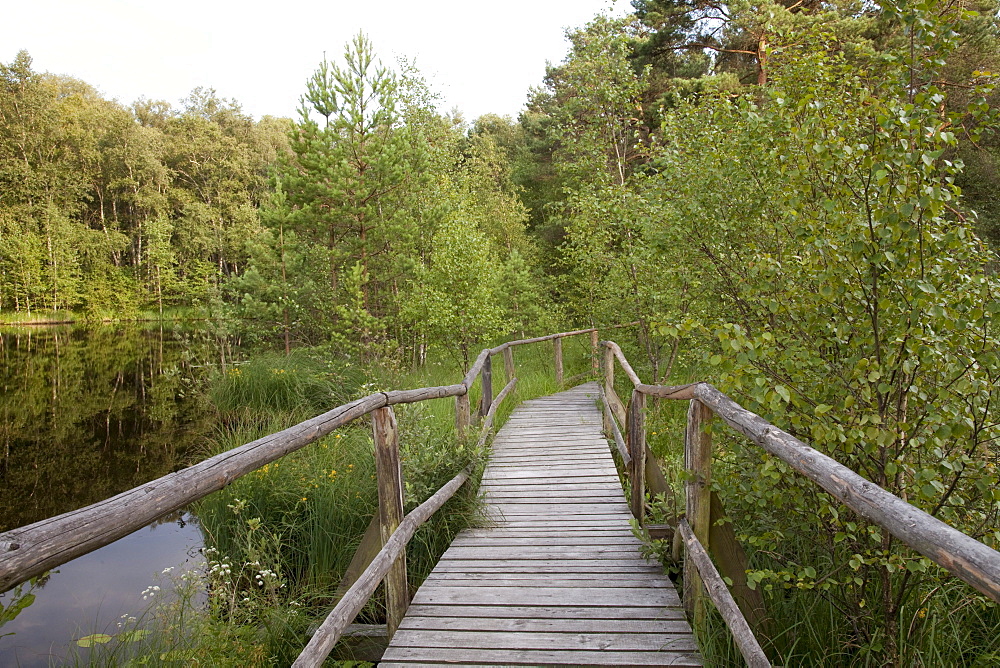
x: 295, y: 386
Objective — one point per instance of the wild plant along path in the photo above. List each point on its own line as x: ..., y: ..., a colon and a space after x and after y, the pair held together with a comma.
x: 557, y: 578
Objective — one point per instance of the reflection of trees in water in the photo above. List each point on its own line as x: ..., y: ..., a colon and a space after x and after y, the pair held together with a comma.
x: 88, y: 413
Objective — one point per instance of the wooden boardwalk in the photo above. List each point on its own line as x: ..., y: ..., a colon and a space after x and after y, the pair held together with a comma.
x: 557, y: 579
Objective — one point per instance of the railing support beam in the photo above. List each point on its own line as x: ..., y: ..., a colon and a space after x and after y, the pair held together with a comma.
x: 557, y: 351
x: 487, y: 386
x: 508, y: 362
x: 637, y: 451
x: 390, y: 510
x: 698, y: 499
x: 462, y: 414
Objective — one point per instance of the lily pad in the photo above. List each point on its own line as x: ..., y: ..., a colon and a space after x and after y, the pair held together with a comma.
x: 94, y: 639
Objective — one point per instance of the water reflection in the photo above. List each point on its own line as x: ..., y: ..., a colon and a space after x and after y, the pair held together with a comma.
x: 93, y: 593
x: 86, y: 414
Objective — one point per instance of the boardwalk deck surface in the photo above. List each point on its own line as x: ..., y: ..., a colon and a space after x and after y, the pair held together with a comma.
x: 557, y: 579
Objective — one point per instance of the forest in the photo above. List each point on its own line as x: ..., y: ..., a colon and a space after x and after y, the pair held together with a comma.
x: 795, y: 200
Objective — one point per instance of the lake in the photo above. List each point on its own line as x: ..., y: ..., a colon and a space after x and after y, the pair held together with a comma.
x: 86, y: 413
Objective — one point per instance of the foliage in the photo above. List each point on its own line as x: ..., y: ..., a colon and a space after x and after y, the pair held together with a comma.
x: 458, y: 298
x: 856, y: 312
x: 109, y: 210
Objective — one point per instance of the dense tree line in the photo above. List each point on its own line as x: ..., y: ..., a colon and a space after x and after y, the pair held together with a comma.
x: 109, y: 209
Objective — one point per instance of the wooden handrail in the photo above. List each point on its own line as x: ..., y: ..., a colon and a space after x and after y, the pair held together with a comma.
x: 960, y: 554
x: 33, y: 549
x: 723, y: 600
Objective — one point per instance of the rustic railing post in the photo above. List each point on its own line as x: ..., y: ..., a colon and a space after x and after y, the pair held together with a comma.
x: 390, y: 510
x: 557, y: 346
x: 637, y: 451
x: 595, y: 356
x: 698, y: 497
x: 508, y: 362
x: 486, y: 376
x: 609, y: 386
x: 462, y: 414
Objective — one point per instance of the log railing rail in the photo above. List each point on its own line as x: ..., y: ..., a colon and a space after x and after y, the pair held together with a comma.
x: 956, y: 552
x: 31, y: 550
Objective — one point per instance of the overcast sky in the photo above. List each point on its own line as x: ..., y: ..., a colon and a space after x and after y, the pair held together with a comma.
x: 480, y: 56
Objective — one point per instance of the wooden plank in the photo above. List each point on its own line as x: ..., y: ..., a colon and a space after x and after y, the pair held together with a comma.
x: 619, y: 611
x: 547, y: 565
x: 543, y: 596
x: 506, y: 657
x: 555, y: 532
x: 548, y: 625
x: 563, y: 541
x: 520, y: 640
x: 546, y: 579
x: 444, y: 577
x: 546, y: 552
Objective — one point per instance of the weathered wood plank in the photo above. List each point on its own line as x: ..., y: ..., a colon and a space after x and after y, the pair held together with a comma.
x: 548, y: 625
x: 543, y: 596
x: 520, y: 640
x: 620, y: 611
x: 506, y: 657
x: 563, y: 541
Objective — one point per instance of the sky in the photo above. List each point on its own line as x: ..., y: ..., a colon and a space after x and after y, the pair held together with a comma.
x: 481, y: 57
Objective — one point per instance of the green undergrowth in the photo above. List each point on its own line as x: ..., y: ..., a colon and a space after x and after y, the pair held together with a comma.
x: 817, y: 603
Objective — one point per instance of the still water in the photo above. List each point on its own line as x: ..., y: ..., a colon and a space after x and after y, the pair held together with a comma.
x: 86, y: 414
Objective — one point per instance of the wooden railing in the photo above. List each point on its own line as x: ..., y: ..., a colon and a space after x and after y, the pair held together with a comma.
x: 698, y: 530
x: 36, y: 548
